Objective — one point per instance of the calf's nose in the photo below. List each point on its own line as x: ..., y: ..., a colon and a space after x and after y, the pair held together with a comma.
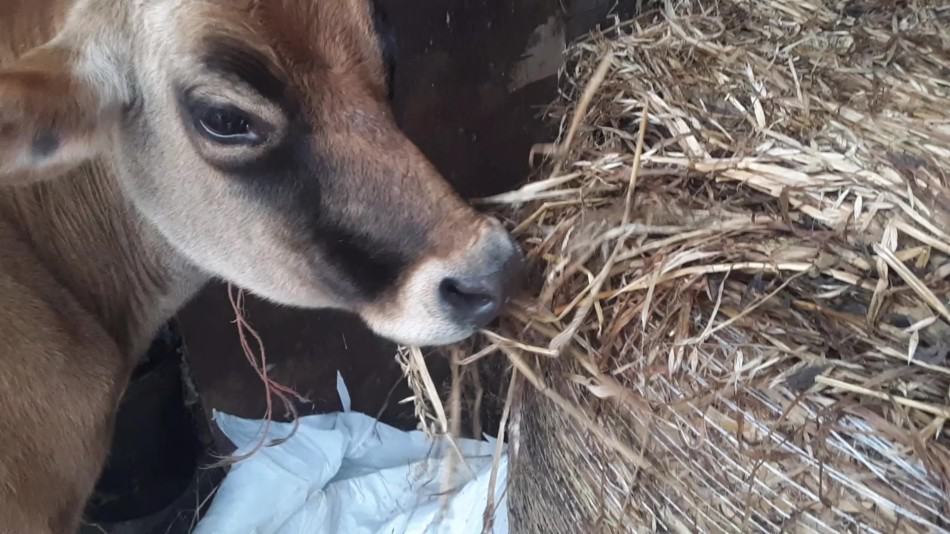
x: 476, y: 294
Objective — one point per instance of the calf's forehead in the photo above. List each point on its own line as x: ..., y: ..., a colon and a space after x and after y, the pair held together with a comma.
x: 337, y: 34
x: 295, y: 35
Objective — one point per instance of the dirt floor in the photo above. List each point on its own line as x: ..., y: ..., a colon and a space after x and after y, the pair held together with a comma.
x: 471, y: 81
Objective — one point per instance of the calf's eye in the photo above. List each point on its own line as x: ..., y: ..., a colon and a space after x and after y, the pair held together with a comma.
x: 225, y: 125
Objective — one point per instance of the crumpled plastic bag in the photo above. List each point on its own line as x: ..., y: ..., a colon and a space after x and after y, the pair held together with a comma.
x: 347, y: 473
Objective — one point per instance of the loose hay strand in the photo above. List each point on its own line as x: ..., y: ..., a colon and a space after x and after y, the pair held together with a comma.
x: 258, y: 361
x: 514, y: 388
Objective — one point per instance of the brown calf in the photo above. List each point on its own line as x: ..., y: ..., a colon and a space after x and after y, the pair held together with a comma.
x: 148, y: 145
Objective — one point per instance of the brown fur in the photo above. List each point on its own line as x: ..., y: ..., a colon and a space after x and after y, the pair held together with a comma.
x: 113, y: 213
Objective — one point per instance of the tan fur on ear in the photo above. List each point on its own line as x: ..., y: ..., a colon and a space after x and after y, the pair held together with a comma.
x: 50, y: 119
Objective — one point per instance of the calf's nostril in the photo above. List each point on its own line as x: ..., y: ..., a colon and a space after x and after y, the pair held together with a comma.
x: 474, y: 300
x: 484, y: 280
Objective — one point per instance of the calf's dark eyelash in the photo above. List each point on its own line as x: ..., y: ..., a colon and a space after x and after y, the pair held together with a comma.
x: 225, y: 124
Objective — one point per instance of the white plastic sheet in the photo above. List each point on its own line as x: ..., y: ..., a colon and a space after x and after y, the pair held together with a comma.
x: 346, y: 473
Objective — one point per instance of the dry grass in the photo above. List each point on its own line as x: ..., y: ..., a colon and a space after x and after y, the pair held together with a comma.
x: 745, y: 328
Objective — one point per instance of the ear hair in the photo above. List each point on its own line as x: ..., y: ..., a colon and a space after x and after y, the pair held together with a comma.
x: 57, y: 103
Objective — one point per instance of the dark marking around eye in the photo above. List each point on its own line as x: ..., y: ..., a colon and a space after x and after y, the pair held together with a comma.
x: 288, y: 177
x: 44, y: 145
x: 232, y: 58
x: 368, y: 264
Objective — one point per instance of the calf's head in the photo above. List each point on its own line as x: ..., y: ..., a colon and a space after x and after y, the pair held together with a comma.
x: 257, y: 137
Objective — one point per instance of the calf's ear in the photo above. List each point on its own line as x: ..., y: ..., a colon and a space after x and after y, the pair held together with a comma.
x: 58, y: 104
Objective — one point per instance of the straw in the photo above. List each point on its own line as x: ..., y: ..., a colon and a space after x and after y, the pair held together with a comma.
x: 755, y: 337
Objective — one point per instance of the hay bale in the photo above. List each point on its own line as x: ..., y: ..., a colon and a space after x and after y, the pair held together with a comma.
x: 745, y: 329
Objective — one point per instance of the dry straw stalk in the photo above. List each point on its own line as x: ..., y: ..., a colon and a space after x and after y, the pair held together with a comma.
x: 745, y: 328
